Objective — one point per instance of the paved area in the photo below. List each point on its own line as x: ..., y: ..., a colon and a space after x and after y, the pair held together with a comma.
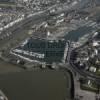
x: 83, y: 95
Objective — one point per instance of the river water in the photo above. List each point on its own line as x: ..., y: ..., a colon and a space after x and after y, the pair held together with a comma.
x: 34, y: 85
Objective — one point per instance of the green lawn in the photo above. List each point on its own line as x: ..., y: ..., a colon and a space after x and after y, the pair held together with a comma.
x: 93, y: 87
x: 88, y: 88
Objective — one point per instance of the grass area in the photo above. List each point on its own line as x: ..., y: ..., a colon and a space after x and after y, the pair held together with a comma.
x: 88, y: 88
x: 88, y: 85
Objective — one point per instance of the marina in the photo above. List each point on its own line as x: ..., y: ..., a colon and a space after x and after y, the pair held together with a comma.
x: 41, y: 50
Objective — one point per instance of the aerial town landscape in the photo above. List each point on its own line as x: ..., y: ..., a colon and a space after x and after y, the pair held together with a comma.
x: 49, y: 49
